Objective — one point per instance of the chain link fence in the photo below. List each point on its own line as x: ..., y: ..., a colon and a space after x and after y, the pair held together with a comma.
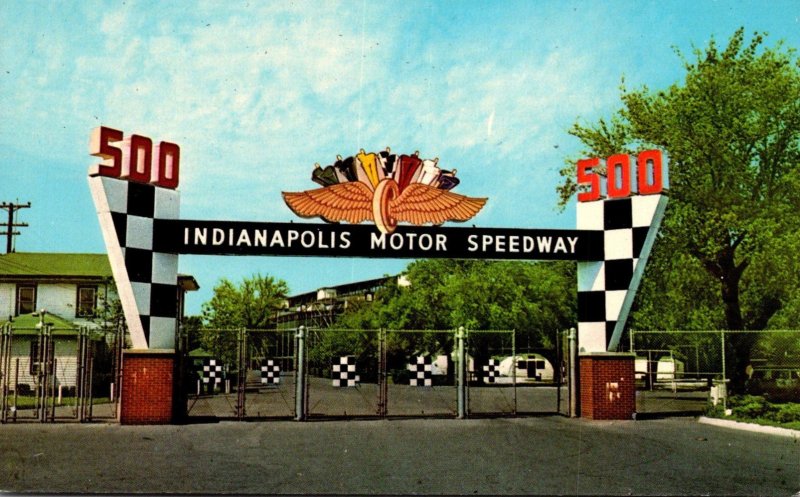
x: 327, y: 372
x: 343, y: 373
x: 507, y: 380
x: 421, y: 367
x: 250, y: 375
x: 685, y: 370
x: 50, y: 373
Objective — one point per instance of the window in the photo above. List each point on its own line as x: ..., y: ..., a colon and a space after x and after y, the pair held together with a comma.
x: 26, y: 299
x: 39, y: 357
x: 34, y: 359
x: 87, y: 301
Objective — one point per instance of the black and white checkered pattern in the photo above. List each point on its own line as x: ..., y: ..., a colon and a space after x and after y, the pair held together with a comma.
x: 270, y: 373
x: 146, y: 280
x: 491, y: 370
x: 421, y: 372
x: 344, y: 372
x: 212, y: 371
x: 606, y: 288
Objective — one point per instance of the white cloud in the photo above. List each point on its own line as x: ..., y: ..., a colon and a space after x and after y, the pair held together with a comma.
x: 114, y: 24
x: 256, y: 95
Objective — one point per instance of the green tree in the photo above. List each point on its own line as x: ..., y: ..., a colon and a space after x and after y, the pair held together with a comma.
x: 534, y: 299
x: 251, y: 304
x: 731, y: 131
x: 191, y: 330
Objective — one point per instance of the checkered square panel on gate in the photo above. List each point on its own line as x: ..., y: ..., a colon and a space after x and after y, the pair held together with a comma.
x: 212, y: 371
x: 146, y: 279
x: 603, y: 285
x: 491, y: 370
x: 421, y: 372
x: 270, y: 372
x: 344, y: 372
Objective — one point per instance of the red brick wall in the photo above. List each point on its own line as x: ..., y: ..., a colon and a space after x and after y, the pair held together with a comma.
x: 607, y: 386
x: 147, y: 380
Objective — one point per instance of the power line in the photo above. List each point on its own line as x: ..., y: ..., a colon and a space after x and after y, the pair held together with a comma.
x: 10, y: 225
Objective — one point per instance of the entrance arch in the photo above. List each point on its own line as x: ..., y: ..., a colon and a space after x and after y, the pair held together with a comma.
x: 144, y: 236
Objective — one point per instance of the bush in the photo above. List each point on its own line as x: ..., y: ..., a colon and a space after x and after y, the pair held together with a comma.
x: 757, y: 409
x: 787, y: 413
x: 748, y: 406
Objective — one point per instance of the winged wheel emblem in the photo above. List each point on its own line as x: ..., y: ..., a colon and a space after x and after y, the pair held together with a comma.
x: 385, y: 188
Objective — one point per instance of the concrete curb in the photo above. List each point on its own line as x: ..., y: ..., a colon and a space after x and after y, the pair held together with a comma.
x: 738, y: 425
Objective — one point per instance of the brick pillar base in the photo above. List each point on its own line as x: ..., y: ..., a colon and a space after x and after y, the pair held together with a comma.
x: 607, y: 384
x: 147, y: 381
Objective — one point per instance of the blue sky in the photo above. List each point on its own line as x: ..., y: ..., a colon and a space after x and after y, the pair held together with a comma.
x: 256, y: 92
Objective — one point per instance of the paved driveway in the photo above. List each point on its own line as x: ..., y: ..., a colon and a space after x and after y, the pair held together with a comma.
x: 537, y: 455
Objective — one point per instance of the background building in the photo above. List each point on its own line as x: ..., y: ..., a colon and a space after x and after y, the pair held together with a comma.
x: 320, y: 308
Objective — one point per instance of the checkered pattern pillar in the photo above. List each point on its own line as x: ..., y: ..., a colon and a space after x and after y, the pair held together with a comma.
x: 606, y: 288
x: 146, y: 280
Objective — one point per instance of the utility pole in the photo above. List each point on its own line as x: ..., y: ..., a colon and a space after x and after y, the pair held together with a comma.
x: 10, y: 225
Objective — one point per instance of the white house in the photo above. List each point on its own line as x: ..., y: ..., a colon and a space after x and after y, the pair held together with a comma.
x: 71, y: 286
x: 73, y: 290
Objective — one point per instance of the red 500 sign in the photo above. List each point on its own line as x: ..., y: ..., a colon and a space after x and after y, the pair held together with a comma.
x: 134, y: 158
x: 620, y: 176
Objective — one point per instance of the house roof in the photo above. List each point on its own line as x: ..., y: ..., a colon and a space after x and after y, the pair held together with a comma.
x: 38, y: 264
x: 25, y: 324
x: 41, y: 265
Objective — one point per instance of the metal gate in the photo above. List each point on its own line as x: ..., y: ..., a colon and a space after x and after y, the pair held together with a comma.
x: 333, y: 373
x: 380, y: 373
x: 254, y: 379
x: 50, y: 374
x: 504, y: 380
x: 343, y: 373
x: 420, y: 373
x: 266, y: 385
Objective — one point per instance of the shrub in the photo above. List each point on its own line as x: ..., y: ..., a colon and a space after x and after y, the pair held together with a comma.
x: 786, y: 413
x: 752, y: 408
x: 748, y: 406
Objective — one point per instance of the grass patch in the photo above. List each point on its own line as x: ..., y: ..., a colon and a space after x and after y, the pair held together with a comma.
x: 758, y: 410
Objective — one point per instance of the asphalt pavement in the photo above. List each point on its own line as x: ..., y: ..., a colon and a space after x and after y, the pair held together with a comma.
x: 549, y: 455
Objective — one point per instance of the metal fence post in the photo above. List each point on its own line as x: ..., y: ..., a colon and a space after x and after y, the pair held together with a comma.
x: 300, y: 375
x: 241, y: 374
x: 383, y: 380
x: 573, y: 373
x: 514, y: 366
x: 724, y: 385
x: 5, y: 370
x: 462, y: 366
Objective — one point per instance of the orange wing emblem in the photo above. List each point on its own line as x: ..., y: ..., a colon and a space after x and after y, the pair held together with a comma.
x: 351, y: 202
x: 425, y: 199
